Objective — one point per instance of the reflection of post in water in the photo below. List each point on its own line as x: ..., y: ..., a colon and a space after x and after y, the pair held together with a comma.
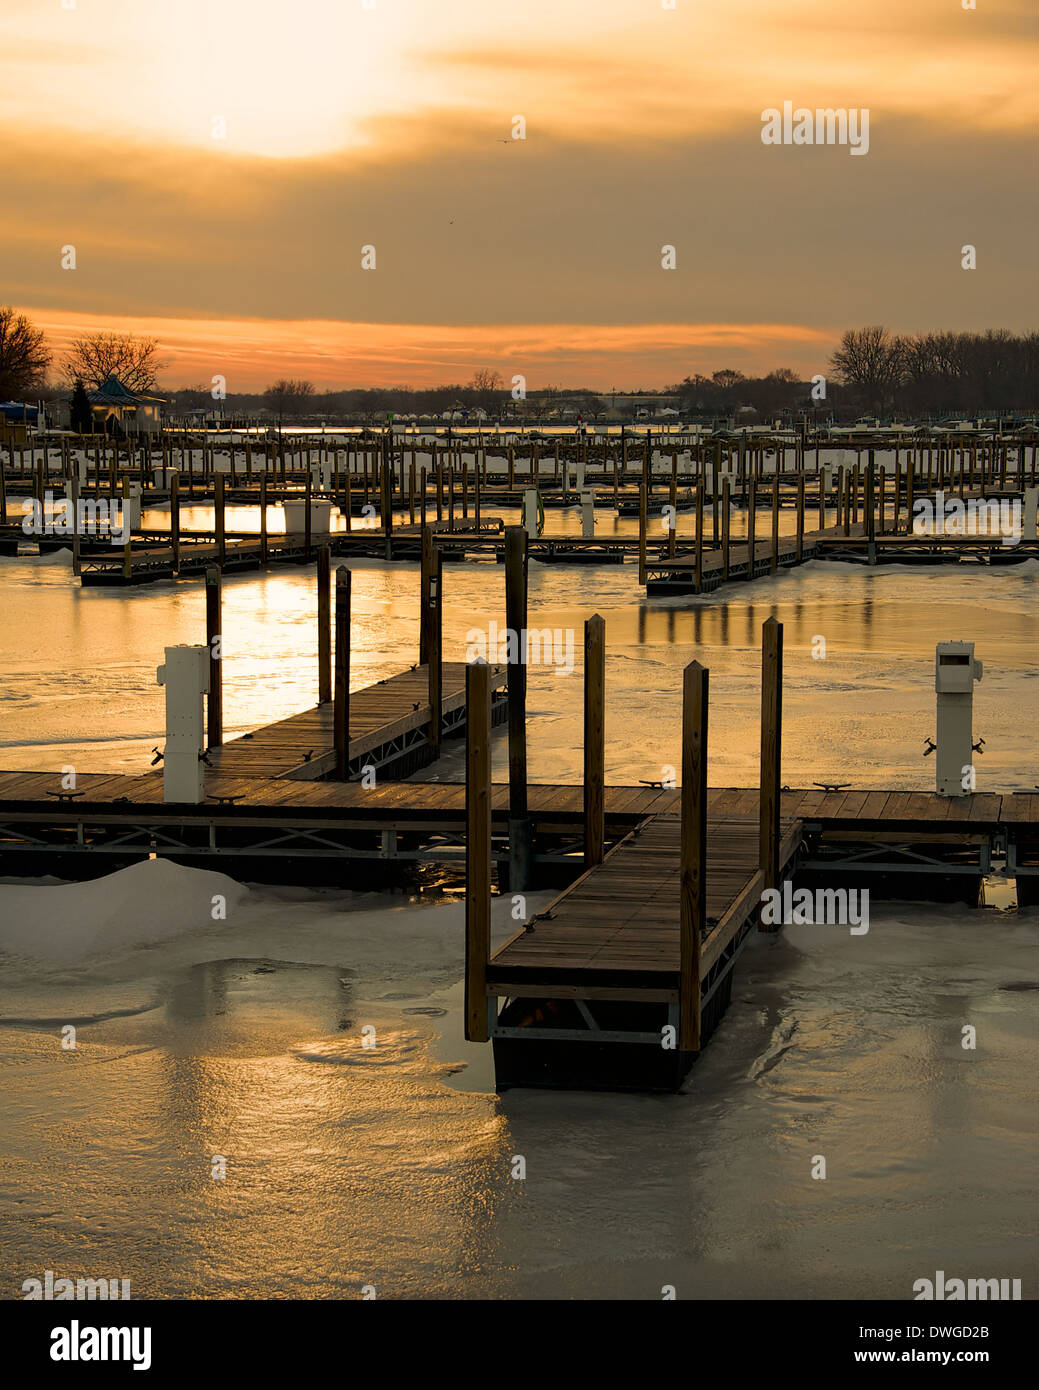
x: 866, y: 609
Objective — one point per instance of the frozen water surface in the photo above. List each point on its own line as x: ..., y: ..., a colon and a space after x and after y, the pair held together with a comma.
x: 391, y: 1165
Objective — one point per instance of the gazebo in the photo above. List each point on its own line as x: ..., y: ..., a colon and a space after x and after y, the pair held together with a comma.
x: 135, y: 410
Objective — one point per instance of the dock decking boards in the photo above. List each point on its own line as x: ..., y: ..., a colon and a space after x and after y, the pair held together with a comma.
x: 618, y: 924
x: 303, y: 745
x: 916, y: 811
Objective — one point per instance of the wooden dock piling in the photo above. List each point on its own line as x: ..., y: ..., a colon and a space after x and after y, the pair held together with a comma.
x: 175, y: 520
x: 219, y: 520
x: 434, y: 659
x: 594, y: 739
x: 693, y: 852
x: 341, y: 694
x: 215, y: 642
x: 516, y: 624
x: 324, y: 625
x: 477, y: 849
x: 771, y: 749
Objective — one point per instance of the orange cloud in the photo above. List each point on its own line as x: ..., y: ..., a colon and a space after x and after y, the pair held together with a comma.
x: 252, y: 353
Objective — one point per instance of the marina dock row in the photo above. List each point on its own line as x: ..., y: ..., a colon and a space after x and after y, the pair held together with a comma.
x: 684, y: 544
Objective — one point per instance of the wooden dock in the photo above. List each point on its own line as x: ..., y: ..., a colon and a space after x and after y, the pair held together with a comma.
x: 389, y: 730
x: 617, y: 925
x: 592, y: 987
x: 690, y: 573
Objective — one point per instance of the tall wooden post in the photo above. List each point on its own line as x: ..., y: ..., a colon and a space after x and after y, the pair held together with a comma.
x: 771, y: 749
x: 672, y: 498
x: 77, y: 567
x: 263, y: 516
x: 215, y: 642
x: 848, y: 481
x: 800, y: 513
x: 308, y: 519
x: 516, y: 624
x: 726, y: 526
x: 594, y: 739
x: 432, y: 601
x: 752, y: 527
x: 775, y: 521
x: 218, y: 507
x: 125, y: 515
x: 425, y: 611
x: 698, y: 558
x: 341, y: 697
x: 477, y: 848
x: 324, y: 625
x: 642, y: 533
x: 693, y: 878
x: 386, y: 497
x: 175, y: 521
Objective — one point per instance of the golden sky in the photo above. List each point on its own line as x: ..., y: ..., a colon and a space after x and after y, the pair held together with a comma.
x: 218, y: 167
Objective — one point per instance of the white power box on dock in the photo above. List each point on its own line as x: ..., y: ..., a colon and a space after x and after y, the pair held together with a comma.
x: 588, y: 514
x: 955, y: 672
x: 186, y: 678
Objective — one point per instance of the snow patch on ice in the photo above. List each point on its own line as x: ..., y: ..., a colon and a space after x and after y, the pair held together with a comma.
x: 133, y: 908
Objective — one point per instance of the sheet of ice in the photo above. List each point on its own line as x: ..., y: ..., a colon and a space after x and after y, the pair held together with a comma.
x: 312, y: 1041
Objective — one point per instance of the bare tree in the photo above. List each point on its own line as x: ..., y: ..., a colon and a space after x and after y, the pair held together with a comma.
x: 871, y: 360
x: 486, y: 380
x: 23, y: 355
x: 286, y: 397
x: 94, y: 357
x: 727, y: 378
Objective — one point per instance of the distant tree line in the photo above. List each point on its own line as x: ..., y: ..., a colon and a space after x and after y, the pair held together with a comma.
x: 294, y: 399
x: 872, y: 369
x: 939, y: 373
x: 728, y: 390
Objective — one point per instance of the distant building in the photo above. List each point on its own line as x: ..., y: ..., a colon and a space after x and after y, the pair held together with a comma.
x: 134, y: 411
x: 18, y: 412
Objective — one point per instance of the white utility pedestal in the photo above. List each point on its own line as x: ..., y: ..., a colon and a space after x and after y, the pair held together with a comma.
x: 186, y: 678
x: 530, y: 512
x: 588, y: 514
x: 296, y: 516
x: 955, y: 672
x: 130, y: 508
